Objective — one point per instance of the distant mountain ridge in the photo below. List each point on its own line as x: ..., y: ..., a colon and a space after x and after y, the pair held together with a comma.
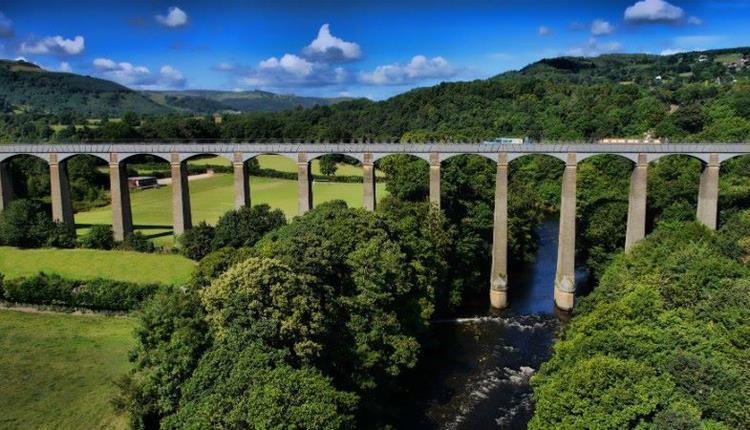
x: 210, y: 101
x: 24, y: 86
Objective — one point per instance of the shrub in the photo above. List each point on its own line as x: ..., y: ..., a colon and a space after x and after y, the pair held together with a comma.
x: 217, y: 262
x: 99, y: 237
x: 96, y: 294
x: 61, y: 236
x: 137, y: 242
x: 246, y: 225
x: 196, y: 242
x: 25, y: 224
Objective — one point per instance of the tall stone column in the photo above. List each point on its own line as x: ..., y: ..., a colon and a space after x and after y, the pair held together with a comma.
x: 122, y: 217
x: 435, y: 179
x: 6, y: 185
x: 637, y: 203
x: 62, y: 207
x: 368, y: 182
x: 708, y: 193
x: 499, y: 272
x: 566, y: 246
x: 304, y: 184
x: 181, y: 216
x: 241, y: 182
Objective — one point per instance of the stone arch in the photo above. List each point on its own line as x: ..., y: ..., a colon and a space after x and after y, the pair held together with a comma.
x: 703, y: 158
x: 66, y: 156
x: 6, y: 157
x: 632, y: 157
x: 186, y: 156
x: 489, y: 156
x: 247, y: 156
x: 124, y: 157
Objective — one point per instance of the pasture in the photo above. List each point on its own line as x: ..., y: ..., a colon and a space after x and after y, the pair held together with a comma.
x: 57, y: 370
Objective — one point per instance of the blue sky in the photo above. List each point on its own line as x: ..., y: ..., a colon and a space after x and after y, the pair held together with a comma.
x: 328, y: 48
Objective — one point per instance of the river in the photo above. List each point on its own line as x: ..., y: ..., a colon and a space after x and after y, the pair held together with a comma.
x: 476, y: 375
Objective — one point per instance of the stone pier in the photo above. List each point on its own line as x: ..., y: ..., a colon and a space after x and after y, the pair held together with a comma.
x: 6, y: 185
x: 708, y: 193
x: 304, y: 184
x: 62, y: 207
x: 181, y: 217
x: 435, y: 179
x: 637, y: 203
x: 499, y: 272
x: 566, y: 246
x: 241, y: 182
x: 368, y: 182
x: 122, y: 217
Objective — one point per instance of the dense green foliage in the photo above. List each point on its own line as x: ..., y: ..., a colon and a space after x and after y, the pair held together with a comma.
x: 331, y: 306
x: 237, y: 228
x: 26, y: 224
x: 663, y: 340
x: 96, y: 294
x: 207, y: 101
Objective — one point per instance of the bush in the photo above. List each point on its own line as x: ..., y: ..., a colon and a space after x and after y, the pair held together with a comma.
x: 217, y: 262
x: 61, y: 236
x: 25, y: 224
x: 196, y: 242
x: 246, y: 225
x: 99, y: 237
x: 137, y: 242
x: 96, y: 294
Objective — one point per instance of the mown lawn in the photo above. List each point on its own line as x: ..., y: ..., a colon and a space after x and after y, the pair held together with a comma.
x: 89, y: 263
x: 212, y: 197
x: 283, y: 164
x: 56, y: 370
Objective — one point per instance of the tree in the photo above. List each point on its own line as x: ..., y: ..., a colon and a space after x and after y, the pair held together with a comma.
x: 197, y: 241
x: 328, y: 165
x: 131, y: 118
x: 99, y: 237
x: 246, y: 225
x: 24, y: 223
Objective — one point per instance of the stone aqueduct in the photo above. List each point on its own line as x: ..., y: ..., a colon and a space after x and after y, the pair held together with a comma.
x: 116, y: 155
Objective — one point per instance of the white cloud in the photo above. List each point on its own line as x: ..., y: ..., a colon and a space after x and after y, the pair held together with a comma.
x: 593, y: 47
x: 6, y: 27
x: 56, y: 45
x: 418, y: 69
x: 175, y: 17
x: 65, y: 67
x: 289, y: 63
x: 224, y: 67
x: 601, y: 27
x: 694, y: 20
x: 671, y: 51
x: 543, y: 30
x: 331, y: 49
x: 139, y: 77
x: 653, y: 11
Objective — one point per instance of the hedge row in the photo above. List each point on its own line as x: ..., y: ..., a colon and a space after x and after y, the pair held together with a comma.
x: 95, y: 294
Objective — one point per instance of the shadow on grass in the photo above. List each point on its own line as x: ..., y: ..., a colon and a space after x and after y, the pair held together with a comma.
x: 141, y: 227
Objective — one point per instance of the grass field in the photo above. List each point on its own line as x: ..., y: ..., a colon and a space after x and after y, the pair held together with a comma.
x: 89, y: 263
x: 283, y: 164
x: 210, y: 198
x: 56, y: 371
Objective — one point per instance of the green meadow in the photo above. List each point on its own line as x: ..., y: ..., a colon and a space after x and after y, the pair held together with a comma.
x: 212, y: 197
x: 90, y: 263
x: 57, y: 370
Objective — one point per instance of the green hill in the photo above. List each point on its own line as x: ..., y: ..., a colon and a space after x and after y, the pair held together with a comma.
x: 207, y: 101
x: 27, y: 87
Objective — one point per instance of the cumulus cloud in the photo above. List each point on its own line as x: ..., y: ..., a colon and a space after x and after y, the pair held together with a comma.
x: 288, y: 71
x: 175, y: 17
x: 593, y: 48
x: 65, y: 67
x: 543, y: 30
x: 139, y: 77
x: 418, y: 69
x: 6, y: 27
x: 54, y: 45
x: 653, y: 11
x: 601, y: 27
x: 328, y: 48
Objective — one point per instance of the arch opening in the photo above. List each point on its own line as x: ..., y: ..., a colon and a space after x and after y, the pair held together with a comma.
x: 673, y: 182
x: 406, y: 176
